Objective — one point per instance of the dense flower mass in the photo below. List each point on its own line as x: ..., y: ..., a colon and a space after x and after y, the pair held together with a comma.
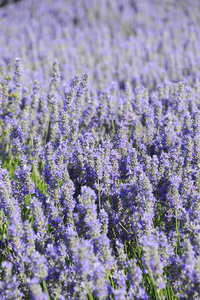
x: 99, y: 150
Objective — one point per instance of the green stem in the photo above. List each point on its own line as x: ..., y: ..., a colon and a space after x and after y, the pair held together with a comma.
x: 46, y: 289
x: 154, y: 285
x: 47, y: 131
x: 113, y: 126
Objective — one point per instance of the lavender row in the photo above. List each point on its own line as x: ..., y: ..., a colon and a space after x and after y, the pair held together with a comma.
x: 99, y: 170
x: 99, y: 191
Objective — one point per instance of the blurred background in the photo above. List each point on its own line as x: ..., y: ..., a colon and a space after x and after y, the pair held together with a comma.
x: 137, y: 41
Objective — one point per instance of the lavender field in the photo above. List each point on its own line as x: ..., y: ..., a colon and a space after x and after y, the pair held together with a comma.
x: 99, y: 149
